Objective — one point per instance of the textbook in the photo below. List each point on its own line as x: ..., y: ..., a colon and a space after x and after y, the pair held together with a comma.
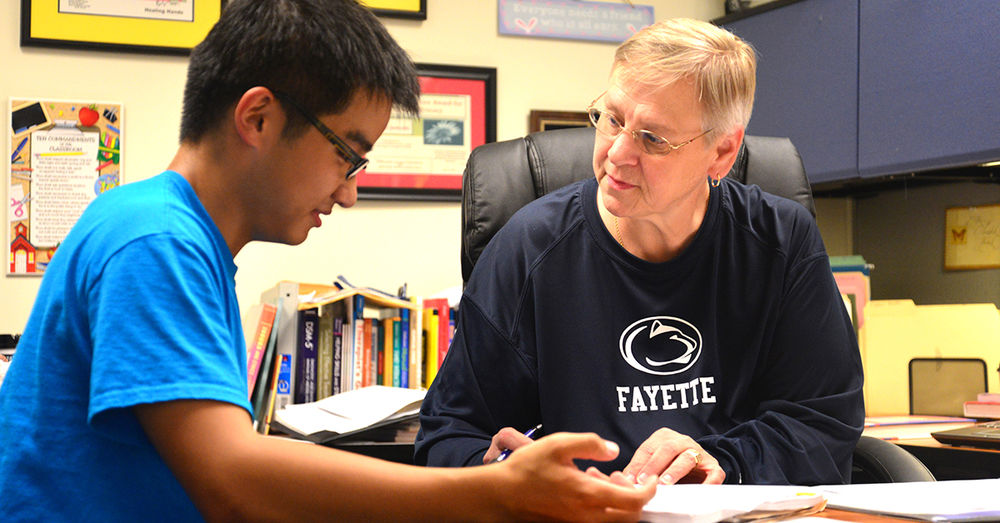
x: 350, y: 414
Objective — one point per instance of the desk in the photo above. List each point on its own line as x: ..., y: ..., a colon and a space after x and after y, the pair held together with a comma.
x: 388, y: 451
x: 950, y: 462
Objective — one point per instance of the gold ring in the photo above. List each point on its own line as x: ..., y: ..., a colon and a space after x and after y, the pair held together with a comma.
x: 695, y: 455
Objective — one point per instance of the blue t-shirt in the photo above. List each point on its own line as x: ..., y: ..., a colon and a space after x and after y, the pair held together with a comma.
x: 137, y: 306
x: 741, y: 341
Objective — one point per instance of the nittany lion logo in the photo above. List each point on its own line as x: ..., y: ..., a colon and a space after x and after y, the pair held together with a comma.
x: 660, y: 345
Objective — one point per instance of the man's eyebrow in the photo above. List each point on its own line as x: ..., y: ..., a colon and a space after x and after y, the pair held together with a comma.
x: 358, y: 138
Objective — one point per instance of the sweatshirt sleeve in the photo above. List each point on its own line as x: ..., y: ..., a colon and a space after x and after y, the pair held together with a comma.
x: 810, y: 407
x: 459, y: 413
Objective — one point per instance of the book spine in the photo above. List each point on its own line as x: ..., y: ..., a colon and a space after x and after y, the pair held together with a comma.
x: 261, y: 335
x: 324, y: 355
x: 305, y: 389
x: 378, y: 353
x: 366, y: 355
x: 287, y: 294
x: 338, y: 355
x: 404, y: 347
x: 265, y: 378
x: 397, y: 353
x: 388, y: 364
x: 430, y: 346
x: 357, y: 343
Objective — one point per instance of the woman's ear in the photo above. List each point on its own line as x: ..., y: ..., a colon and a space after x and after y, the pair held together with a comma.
x: 726, y: 149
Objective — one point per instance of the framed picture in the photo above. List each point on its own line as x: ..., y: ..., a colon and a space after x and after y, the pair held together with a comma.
x: 162, y: 27
x: 412, y: 9
x: 423, y: 158
x: 549, y: 120
x: 972, y: 237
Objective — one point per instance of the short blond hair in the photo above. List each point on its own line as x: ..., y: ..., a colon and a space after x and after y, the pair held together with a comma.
x: 722, y: 66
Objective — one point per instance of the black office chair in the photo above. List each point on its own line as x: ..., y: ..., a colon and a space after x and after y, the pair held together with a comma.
x: 880, y: 461
x: 502, y: 177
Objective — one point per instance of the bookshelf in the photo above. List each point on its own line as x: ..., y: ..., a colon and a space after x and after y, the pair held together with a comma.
x: 332, y: 338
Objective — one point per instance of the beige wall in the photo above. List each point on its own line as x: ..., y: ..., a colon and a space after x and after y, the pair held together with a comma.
x: 381, y: 244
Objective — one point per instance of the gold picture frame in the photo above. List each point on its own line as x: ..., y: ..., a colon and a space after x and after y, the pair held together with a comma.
x: 168, y: 27
x: 539, y: 120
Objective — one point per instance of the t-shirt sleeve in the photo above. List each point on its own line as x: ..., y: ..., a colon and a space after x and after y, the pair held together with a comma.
x: 161, y: 332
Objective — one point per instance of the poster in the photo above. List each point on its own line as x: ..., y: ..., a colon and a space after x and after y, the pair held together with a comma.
x: 63, y: 154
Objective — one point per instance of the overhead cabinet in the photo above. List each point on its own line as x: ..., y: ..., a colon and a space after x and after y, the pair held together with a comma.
x: 873, y: 88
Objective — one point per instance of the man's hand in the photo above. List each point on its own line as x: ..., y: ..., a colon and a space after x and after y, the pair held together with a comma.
x: 544, y: 478
x: 673, y: 458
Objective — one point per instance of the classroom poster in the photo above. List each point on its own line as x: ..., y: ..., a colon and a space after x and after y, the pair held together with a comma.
x: 63, y: 154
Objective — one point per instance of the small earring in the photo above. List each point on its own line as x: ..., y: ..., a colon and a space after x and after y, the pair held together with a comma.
x: 716, y: 182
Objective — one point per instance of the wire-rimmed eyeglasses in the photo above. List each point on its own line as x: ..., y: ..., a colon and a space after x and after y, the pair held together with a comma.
x: 611, y: 126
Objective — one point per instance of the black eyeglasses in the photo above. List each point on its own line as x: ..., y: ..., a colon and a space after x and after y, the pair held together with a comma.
x: 611, y: 126
x: 345, y: 151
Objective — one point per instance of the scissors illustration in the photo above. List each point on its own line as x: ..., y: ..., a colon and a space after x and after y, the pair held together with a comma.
x: 18, y: 206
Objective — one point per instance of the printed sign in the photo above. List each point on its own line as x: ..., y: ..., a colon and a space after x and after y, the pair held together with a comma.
x: 572, y: 19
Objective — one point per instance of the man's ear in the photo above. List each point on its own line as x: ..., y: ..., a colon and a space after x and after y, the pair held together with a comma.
x: 726, y: 149
x: 258, y: 116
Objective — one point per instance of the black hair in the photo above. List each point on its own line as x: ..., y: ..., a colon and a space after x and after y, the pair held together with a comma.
x: 319, y: 52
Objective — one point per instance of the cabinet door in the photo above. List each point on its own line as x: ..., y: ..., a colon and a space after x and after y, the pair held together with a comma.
x: 807, y: 90
x: 929, y: 85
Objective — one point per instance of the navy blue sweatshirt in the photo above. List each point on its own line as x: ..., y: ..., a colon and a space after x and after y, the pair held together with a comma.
x: 741, y: 342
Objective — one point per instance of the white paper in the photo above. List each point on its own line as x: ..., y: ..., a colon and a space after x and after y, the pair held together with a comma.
x: 710, y: 503
x: 351, y: 410
x: 62, y: 182
x: 924, y: 499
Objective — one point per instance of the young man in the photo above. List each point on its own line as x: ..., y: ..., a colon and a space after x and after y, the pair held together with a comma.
x: 127, y: 400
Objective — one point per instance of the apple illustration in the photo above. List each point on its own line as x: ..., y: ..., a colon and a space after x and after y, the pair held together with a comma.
x: 88, y: 116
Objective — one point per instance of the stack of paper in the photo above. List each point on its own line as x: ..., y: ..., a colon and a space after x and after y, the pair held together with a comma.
x: 350, y: 413
x: 711, y: 503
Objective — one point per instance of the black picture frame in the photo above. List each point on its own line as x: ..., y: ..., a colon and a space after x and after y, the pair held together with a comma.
x: 479, y: 83
x: 158, y: 33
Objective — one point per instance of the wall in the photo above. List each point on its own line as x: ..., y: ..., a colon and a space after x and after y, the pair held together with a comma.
x: 902, y: 231
x: 381, y: 244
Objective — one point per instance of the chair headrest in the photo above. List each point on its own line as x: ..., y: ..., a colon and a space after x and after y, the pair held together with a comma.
x: 502, y: 177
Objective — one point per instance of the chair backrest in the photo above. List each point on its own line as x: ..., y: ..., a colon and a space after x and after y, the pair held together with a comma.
x: 502, y: 177
x: 940, y: 386
x: 880, y: 461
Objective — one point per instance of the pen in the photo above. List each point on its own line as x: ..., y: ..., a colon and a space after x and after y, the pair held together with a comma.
x: 17, y: 151
x: 506, y: 452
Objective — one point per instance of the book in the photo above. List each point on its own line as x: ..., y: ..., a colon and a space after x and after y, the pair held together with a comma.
x: 696, y: 503
x: 266, y: 377
x: 338, y: 355
x: 257, y: 333
x: 430, y: 346
x: 285, y: 293
x: 358, y: 342
x: 350, y: 414
x: 324, y: 352
x: 981, y: 409
x: 440, y: 306
x: 988, y: 396
x: 306, y: 355
x: 404, y: 347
